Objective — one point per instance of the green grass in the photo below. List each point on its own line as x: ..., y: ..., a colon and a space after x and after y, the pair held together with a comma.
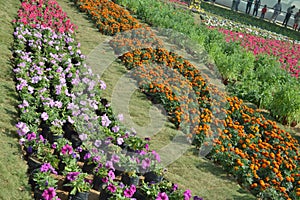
x: 13, y: 178
x: 189, y: 171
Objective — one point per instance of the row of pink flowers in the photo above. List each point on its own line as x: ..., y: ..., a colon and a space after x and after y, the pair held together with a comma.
x: 34, y: 12
x: 288, y: 53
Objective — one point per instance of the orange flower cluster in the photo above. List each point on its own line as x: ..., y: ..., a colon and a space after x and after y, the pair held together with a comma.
x: 109, y: 17
x: 261, y: 155
x: 140, y: 38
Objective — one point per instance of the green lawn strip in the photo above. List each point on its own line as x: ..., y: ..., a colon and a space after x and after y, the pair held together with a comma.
x: 187, y: 171
x: 13, y: 178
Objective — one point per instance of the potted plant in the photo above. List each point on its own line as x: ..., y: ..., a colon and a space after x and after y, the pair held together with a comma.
x: 117, y: 190
x: 80, y: 185
x: 43, y: 179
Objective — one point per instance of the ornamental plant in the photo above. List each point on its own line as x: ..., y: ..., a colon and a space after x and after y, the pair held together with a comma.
x: 43, y: 178
x: 78, y: 181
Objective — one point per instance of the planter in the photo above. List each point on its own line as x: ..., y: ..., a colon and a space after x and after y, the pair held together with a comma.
x: 88, y: 168
x: 152, y: 177
x: 130, y: 180
x: 33, y: 163
x: 98, y: 183
x: 69, y: 130
x: 53, y: 138
x: 66, y: 188
x: 139, y: 195
x: 82, y: 154
x: 37, y: 194
x: 104, y: 195
x: 79, y: 196
x: 61, y: 167
x: 75, y: 140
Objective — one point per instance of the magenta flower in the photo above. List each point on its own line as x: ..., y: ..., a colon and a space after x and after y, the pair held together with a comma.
x: 111, y: 188
x: 156, y: 155
x: 111, y: 175
x: 67, y: 149
x: 162, y: 196
x: 71, y: 176
x: 146, y: 163
x: 49, y: 193
x: 120, y: 141
x: 31, y: 136
x: 187, y: 194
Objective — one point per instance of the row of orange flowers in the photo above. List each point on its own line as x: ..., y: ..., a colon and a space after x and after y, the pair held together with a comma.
x: 263, y: 157
x: 109, y: 17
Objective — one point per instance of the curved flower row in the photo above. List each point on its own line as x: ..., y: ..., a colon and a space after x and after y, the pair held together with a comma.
x: 64, y: 121
x: 251, y: 135
x: 109, y: 17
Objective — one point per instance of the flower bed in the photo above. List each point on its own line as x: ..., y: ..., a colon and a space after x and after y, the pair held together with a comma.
x: 109, y: 17
x: 260, y: 139
x: 287, y: 52
x: 64, y: 121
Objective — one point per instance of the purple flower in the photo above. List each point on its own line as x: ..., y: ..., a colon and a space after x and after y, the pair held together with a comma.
x: 105, y: 121
x: 83, y: 137
x: 44, y: 116
x: 53, y: 146
x: 102, y: 85
x: 115, y: 129
x: 156, y: 155
x: 45, y: 167
x: 187, y: 194
x: 120, y: 141
x: 175, y: 187
x: 162, y: 196
x: 197, y: 198
x: 128, y: 193
x: 71, y: 176
x: 97, y: 143
x: 111, y: 175
x: 31, y: 136
x: 147, y: 147
x: 49, y: 193
x: 87, y: 156
x: 111, y: 188
x: 115, y: 158
x: 70, y: 120
x: 109, y: 165
x: 133, y: 188
x: 146, y: 163
x: 67, y: 149
x: 105, y: 179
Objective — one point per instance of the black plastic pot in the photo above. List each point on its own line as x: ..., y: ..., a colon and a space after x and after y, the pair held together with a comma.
x: 98, y: 183
x: 61, y: 167
x: 82, y: 154
x: 79, y: 196
x: 139, y: 195
x: 88, y: 168
x: 33, y: 163
x: 37, y: 194
x: 152, y: 177
x: 104, y: 195
x: 130, y: 180
x: 53, y: 138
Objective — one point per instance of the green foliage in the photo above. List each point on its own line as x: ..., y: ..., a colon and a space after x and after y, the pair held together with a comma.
x: 254, y: 79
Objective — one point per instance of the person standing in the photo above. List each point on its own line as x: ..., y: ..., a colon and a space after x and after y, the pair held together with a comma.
x: 263, y: 12
x: 277, y: 11
x: 237, y: 3
x: 256, y: 7
x: 296, y: 20
x: 249, y: 5
x: 233, y: 5
x: 288, y: 15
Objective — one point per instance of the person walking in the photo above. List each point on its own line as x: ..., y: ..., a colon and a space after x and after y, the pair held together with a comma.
x: 249, y: 5
x: 256, y: 7
x: 296, y: 20
x: 277, y: 11
x: 263, y: 12
x: 237, y: 3
x: 233, y: 4
x: 288, y: 15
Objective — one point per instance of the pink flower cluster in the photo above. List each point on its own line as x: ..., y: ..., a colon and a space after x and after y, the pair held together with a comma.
x: 288, y: 53
x: 35, y: 12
